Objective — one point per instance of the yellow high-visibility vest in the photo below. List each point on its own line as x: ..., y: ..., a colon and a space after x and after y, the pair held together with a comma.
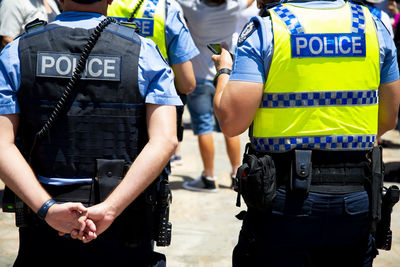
x: 150, y: 18
x: 322, y: 86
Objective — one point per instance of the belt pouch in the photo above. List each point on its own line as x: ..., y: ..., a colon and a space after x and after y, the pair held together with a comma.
x: 109, y: 174
x: 301, y: 173
x: 257, y: 181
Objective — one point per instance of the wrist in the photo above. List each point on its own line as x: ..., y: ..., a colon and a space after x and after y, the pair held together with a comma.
x: 220, y: 72
x: 42, y: 212
x: 110, y: 210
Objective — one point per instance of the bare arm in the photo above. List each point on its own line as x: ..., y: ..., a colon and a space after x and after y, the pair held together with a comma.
x: 161, y: 121
x: 14, y: 170
x: 235, y: 102
x: 5, y: 40
x: 19, y: 177
x: 249, y: 2
x: 389, y: 99
x: 185, y: 81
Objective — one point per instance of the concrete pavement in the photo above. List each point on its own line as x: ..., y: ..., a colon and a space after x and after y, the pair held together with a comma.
x: 204, y: 227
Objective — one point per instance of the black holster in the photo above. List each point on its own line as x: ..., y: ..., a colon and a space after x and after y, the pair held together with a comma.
x: 256, y: 181
x: 381, y: 201
x: 375, y: 185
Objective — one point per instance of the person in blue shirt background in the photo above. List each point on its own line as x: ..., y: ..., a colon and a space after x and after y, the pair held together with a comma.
x: 122, y: 120
x: 317, y: 224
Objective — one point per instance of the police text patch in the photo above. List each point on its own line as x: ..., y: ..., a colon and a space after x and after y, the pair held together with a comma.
x: 328, y: 45
x: 60, y: 65
x: 146, y: 26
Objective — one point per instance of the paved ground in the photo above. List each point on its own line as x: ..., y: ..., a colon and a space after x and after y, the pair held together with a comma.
x: 204, y: 227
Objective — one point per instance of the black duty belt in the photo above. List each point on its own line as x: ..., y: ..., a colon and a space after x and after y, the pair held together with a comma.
x: 334, y: 172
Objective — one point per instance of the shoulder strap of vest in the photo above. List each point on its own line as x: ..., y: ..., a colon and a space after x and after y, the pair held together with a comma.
x: 130, y: 25
x: 34, y: 24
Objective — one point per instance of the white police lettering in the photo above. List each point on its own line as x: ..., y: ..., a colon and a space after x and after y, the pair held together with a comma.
x: 342, y: 44
x: 62, y: 65
x: 89, y: 67
x: 67, y: 66
x: 109, y: 67
x: 47, y: 62
x: 357, y: 45
x: 301, y: 43
x: 146, y: 26
x: 319, y: 45
x: 328, y: 45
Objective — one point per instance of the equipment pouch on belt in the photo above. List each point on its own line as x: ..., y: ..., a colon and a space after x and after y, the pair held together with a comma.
x: 301, y: 173
x: 109, y: 174
x: 256, y: 181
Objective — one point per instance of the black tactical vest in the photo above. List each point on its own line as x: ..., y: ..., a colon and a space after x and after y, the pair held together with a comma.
x: 106, y: 114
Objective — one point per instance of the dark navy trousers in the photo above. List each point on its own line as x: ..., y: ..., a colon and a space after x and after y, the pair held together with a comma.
x: 317, y: 230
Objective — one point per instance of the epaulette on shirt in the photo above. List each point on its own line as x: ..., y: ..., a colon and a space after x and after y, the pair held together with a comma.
x: 34, y: 24
x: 130, y: 24
x: 248, y: 30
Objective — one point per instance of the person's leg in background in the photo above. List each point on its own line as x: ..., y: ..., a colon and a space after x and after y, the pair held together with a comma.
x: 207, y: 152
x: 233, y: 150
x: 199, y: 103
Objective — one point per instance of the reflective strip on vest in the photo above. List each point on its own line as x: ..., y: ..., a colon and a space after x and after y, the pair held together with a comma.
x: 314, y: 99
x: 334, y: 142
x: 150, y: 18
x: 321, y: 90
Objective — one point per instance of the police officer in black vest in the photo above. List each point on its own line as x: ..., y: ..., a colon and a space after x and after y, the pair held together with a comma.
x: 87, y: 120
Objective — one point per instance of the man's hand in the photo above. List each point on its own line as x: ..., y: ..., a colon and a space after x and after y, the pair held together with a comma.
x: 224, y: 60
x: 99, y: 217
x: 69, y: 217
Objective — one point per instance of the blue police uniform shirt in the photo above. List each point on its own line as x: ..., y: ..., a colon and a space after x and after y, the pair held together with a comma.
x: 155, y: 77
x: 180, y: 45
x: 253, y: 56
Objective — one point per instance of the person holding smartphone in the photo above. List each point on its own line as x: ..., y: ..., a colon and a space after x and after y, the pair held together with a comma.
x: 210, y: 22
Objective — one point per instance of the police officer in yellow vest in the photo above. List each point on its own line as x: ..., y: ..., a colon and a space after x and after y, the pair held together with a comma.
x: 162, y: 21
x: 321, y: 84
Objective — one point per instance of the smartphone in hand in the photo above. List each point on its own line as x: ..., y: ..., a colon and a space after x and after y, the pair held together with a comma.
x: 215, y: 48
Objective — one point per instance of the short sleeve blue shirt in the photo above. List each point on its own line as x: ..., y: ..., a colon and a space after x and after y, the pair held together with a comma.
x: 156, y: 80
x: 180, y: 45
x: 253, y: 56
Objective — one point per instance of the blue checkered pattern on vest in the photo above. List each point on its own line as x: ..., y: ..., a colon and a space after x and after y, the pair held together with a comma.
x: 150, y: 9
x: 358, y: 19
x: 294, y: 26
x: 291, y: 21
x: 332, y: 142
x: 315, y: 99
